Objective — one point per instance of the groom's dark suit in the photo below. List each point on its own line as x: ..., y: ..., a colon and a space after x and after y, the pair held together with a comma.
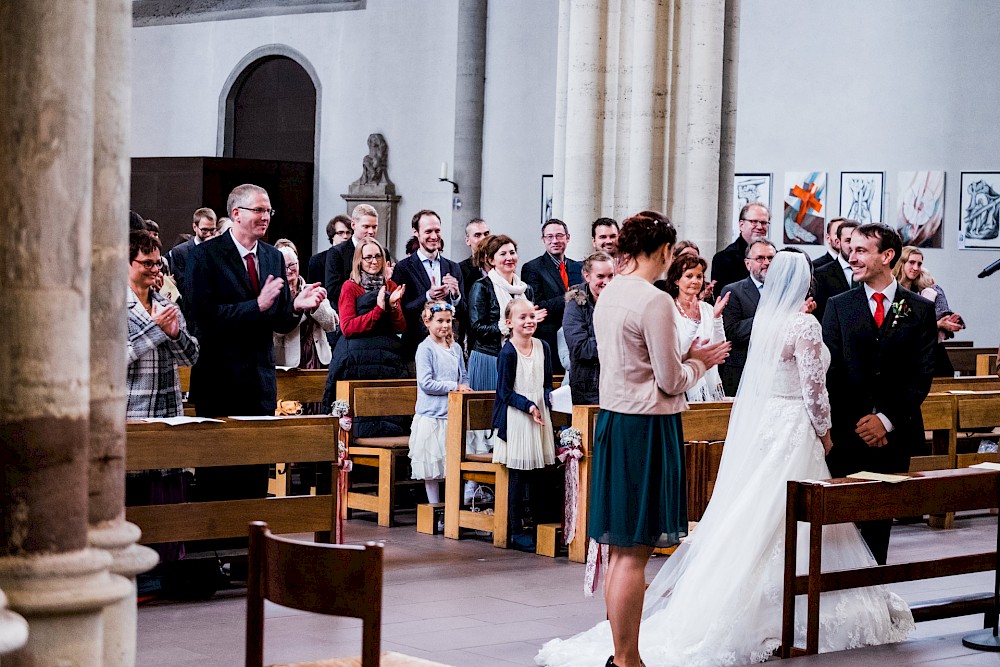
x: 885, y: 370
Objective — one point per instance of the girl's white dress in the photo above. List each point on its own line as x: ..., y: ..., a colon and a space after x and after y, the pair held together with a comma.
x: 528, y: 446
x: 717, y: 600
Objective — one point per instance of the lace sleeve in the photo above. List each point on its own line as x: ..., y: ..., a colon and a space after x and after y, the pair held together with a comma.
x: 807, y: 341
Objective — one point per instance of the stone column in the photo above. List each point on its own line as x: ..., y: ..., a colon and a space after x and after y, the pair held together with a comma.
x: 108, y: 329
x: 46, y: 135
x: 639, y: 113
x: 727, y: 141
x: 470, y: 91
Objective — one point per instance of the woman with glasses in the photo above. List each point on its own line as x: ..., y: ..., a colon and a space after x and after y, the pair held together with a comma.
x: 371, y: 321
x: 305, y: 346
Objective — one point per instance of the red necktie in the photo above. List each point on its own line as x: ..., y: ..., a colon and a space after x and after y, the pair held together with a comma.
x: 252, y: 270
x: 879, y: 309
x: 563, y: 274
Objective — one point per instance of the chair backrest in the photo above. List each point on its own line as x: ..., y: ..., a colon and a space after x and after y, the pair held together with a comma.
x: 335, y: 579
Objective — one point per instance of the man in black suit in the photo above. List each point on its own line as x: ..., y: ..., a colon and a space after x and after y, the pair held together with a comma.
x: 428, y: 277
x: 204, y: 225
x: 835, y: 277
x: 737, y: 316
x: 728, y: 265
x: 364, y: 223
x: 239, y: 299
x: 476, y: 231
x: 338, y: 230
x: 550, y: 277
x: 833, y: 243
x: 881, y: 339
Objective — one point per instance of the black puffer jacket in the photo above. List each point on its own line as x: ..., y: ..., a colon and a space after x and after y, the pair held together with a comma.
x: 578, y: 329
x: 484, y: 316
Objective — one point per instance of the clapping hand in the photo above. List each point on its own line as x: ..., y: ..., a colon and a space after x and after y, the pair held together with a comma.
x: 540, y: 314
x: 450, y: 283
x: 710, y: 355
x: 950, y: 323
x: 380, y: 298
x: 536, y: 415
x: 269, y: 292
x: 808, y: 306
x: 396, y: 295
x: 436, y: 291
x: 721, y: 304
x: 310, y: 297
x: 166, y: 317
x: 707, y: 291
x: 871, y: 429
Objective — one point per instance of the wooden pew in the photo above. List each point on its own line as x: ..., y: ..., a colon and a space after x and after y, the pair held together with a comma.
x: 152, y: 446
x: 966, y: 383
x: 473, y: 411
x: 978, y: 411
x: 986, y: 364
x: 378, y: 398
x: 846, y: 500
x: 964, y: 358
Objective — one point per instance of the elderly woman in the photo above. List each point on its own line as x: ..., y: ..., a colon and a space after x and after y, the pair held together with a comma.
x: 306, y: 345
x: 578, y: 328
x: 158, y: 342
x: 698, y: 320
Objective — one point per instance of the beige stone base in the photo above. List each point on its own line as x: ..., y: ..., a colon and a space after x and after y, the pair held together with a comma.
x: 62, y: 596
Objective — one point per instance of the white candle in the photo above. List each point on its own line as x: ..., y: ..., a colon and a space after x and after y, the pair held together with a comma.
x: 444, y: 171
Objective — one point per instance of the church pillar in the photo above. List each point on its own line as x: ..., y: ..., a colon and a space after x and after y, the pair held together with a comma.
x: 727, y: 139
x: 639, y: 113
x: 470, y: 90
x: 50, y: 576
x: 108, y: 329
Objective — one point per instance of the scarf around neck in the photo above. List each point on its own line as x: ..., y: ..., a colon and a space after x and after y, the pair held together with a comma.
x: 505, y: 292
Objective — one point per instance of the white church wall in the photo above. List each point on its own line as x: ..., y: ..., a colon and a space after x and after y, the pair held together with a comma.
x: 518, y: 131
x: 891, y: 86
x: 389, y: 68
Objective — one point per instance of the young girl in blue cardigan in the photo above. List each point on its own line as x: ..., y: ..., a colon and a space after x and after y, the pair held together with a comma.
x: 521, y: 418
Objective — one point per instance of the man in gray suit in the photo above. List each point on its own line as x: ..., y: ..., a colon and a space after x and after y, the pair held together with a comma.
x: 737, y: 317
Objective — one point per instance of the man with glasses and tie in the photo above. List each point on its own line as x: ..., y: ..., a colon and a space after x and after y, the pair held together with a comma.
x: 728, y: 264
x: 428, y: 276
x: 550, y: 277
x: 737, y: 316
x: 239, y: 299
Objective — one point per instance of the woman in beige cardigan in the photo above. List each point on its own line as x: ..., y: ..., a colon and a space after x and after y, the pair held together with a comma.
x: 638, y: 496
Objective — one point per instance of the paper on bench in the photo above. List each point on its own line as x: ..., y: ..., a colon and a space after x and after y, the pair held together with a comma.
x: 879, y: 477
x: 253, y: 418
x: 177, y: 421
x: 987, y: 465
x: 562, y: 400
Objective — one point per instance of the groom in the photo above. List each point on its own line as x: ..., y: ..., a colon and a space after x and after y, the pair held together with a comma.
x: 881, y: 339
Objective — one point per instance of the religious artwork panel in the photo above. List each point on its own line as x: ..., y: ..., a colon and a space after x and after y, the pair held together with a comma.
x: 805, y: 207
x: 546, y: 198
x: 919, y: 208
x: 749, y: 188
x: 861, y: 195
x: 979, y: 219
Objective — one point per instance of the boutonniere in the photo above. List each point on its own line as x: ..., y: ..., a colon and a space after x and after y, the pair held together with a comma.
x: 900, y: 311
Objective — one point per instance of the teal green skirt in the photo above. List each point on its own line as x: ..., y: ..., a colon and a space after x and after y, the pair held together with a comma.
x: 638, y: 491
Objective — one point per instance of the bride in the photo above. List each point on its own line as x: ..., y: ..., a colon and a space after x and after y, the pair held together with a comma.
x: 717, y: 600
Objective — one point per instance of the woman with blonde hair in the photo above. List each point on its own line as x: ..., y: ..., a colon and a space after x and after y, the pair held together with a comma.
x: 910, y: 273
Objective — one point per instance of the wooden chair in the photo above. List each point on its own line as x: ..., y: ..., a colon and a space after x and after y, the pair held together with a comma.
x: 980, y: 410
x: 378, y: 398
x: 333, y: 579
x: 963, y: 359
x: 472, y: 411
x: 986, y: 364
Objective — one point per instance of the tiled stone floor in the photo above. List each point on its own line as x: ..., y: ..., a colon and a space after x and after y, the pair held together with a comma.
x: 467, y: 603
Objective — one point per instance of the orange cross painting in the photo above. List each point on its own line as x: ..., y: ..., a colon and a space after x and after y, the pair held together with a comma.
x: 805, y: 207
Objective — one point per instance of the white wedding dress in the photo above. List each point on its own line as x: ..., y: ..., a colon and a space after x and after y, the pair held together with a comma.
x: 717, y: 600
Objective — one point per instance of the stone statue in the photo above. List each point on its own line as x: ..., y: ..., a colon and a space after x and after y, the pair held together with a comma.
x: 374, y: 168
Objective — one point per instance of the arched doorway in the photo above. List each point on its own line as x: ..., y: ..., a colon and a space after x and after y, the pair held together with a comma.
x: 271, y: 134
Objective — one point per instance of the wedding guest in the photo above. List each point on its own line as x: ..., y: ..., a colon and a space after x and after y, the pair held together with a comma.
x: 910, y: 273
x: 604, y: 235
x: 338, y: 230
x: 578, y: 328
x: 638, y: 496
x: 306, y: 345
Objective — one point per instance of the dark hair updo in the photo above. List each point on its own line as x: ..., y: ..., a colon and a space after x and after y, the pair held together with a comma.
x: 644, y: 234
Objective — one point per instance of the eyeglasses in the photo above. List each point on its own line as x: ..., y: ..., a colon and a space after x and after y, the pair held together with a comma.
x: 259, y: 211
x: 554, y: 237
x: 759, y: 223
x: 370, y: 258
x: 292, y: 265
x: 760, y: 259
x: 149, y: 264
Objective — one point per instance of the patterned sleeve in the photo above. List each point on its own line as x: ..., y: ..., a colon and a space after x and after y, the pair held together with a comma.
x: 807, y: 339
x: 143, y: 336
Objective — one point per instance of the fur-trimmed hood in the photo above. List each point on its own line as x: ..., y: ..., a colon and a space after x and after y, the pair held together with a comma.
x: 579, y: 293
